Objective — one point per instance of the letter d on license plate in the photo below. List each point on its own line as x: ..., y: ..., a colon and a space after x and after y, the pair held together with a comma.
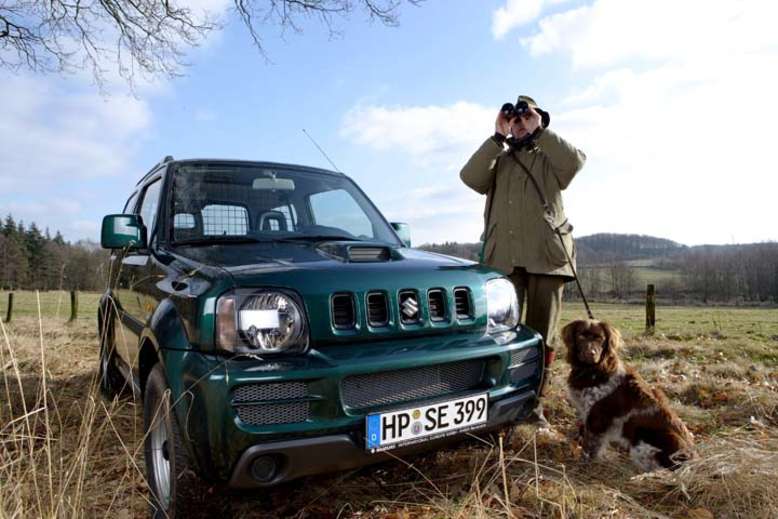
x: 415, y: 424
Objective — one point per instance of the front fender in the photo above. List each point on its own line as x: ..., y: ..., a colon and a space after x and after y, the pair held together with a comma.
x: 165, y: 341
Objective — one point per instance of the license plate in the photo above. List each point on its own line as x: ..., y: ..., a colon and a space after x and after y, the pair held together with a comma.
x: 416, y: 424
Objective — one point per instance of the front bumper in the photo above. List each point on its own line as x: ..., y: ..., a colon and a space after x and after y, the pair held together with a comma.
x: 331, y: 436
x: 321, y: 454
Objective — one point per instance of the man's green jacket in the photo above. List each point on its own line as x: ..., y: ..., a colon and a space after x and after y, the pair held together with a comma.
x: 515, y: 232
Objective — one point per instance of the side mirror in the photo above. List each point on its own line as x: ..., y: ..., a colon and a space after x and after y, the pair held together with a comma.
x: 403, y: 230
x: 123, y: 231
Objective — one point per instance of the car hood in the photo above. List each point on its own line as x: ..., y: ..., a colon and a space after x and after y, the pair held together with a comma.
x: 262, y: 259
x: 318, y: 271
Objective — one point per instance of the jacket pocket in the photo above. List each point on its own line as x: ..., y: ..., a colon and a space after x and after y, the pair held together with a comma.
x: 555, y: 254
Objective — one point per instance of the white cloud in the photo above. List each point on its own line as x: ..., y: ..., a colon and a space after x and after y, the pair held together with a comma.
x: 516, y: 13
x: 610, y: 32
x: 431, y: 135
x: 437, y: 140
x: 49, y: 134
x: 437, y: 213
x: 678, y: 120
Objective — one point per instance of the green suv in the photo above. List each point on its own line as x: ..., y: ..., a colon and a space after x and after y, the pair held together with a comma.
x: 277, y: 326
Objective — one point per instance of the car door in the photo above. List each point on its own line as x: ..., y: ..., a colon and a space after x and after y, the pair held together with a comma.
x: 135, y: 275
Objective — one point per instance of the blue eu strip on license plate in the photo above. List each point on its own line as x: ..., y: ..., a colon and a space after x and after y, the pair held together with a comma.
x: 415, y: 424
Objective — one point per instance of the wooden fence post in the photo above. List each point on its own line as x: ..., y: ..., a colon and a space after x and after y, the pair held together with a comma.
x: 650, y: 308
x: 10, y: 310
x: 73, y: 306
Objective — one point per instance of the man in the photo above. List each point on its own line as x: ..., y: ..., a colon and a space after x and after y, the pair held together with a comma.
x: 523, y: 167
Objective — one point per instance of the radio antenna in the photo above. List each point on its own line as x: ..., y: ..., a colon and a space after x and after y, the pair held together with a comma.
x: 322, y: 152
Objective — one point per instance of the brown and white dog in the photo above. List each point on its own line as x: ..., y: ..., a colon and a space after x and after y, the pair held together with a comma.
x: 614, y: 403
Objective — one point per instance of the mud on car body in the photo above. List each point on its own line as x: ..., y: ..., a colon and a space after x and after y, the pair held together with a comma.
x: 277, y: 326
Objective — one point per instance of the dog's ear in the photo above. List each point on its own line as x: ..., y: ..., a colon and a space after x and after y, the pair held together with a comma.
x: 613, y: 337
x: 568, y: 333
x: 568, y: 337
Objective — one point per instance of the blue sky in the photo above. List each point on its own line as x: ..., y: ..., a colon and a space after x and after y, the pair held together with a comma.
x: 642, y: 87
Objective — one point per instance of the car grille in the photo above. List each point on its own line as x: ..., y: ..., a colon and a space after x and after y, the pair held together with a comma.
x: 343, y: 311
x: 523, y: 355
x: 524, y: 365
x: 462, y: 303
x: 273, y: 414
x: 437, y: 299
x: 377, y: 309
x: 410, y: 307
x: 272, y: 391
x: 394, y: 387
x: 271, y: 403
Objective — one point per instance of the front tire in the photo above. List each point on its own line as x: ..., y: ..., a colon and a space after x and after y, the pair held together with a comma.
x: 109, y: 377
x: 176, y: 489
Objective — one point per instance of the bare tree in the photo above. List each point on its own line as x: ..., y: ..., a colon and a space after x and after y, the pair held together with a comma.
x: 623, y: 280
x: 150, y: 36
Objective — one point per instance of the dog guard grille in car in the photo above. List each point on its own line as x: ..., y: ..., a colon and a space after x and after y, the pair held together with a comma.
x: 462, y: 303
x: 437, y: 301
x: 343, y: 311
x: 271, y: 403
x: 395, y: 387
x: 377, y: 309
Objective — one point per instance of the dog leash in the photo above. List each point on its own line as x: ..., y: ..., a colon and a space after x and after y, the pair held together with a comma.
x: 549, y: 218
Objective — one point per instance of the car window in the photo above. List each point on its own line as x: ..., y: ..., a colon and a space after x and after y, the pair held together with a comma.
x: 148, y: 209
x: 209, y: 200
x: 336, y: 208
x: 225, y: 220
x: 129, y: 207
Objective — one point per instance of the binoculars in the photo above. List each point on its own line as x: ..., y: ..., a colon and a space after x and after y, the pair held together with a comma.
x: 509, y: 110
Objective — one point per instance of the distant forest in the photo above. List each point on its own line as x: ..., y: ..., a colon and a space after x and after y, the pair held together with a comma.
x: 619, y: 266
x: 611, y: 266
x: 33, y: 259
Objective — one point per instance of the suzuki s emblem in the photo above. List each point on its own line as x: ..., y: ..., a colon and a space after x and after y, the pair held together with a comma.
x: 410, y: 306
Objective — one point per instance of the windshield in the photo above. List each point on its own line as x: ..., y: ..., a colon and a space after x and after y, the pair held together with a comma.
x: 238, y: 203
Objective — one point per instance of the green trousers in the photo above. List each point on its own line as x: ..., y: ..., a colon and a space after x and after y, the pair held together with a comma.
x: 540, y: 297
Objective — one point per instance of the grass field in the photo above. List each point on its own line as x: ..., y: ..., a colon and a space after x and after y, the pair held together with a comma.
x: 65, y: 452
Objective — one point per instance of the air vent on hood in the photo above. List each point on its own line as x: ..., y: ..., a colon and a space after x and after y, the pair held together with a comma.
x: 437, y: 299
x: 367, y: 254
x: 377, y: 309
x: 410, y: 309
x: 343, y: 311
x: 462, y: 302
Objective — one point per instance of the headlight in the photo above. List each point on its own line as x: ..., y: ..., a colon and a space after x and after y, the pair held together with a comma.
x: 265, y: 322
x: 502, y: 306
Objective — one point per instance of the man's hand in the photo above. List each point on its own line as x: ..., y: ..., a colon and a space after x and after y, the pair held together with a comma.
x: 530, y: 120
x: 502, y: 125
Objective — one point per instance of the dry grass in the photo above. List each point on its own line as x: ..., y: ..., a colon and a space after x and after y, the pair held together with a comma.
x: 66, y: 452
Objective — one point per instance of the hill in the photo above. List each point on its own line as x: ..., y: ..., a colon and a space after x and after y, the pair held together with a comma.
x: 593, y: 249
x: 610, y: 248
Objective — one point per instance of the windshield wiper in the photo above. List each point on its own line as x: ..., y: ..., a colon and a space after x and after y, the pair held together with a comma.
x: 317, y: 237
x: 212, y: 240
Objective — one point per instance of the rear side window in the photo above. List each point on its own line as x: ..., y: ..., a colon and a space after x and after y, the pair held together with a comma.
x: 148, y: 209
x: 225, y: 220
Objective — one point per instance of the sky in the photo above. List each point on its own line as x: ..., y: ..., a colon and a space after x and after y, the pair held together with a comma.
x: 673, y: 102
